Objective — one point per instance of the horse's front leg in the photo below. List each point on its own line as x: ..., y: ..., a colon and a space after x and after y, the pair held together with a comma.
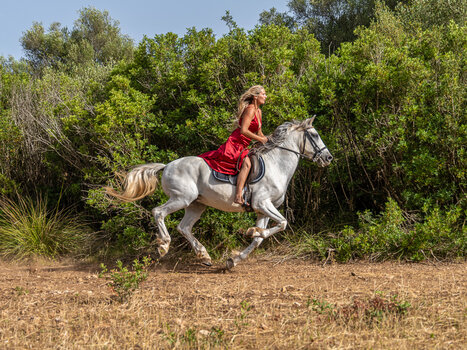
x: 261, y: 223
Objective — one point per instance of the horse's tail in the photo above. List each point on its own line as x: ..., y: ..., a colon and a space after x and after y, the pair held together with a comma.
x: 139, y: 182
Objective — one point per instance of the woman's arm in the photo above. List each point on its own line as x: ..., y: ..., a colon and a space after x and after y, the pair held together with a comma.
x: 247, y: 117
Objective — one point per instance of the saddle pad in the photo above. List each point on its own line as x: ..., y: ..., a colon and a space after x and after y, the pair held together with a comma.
x: 233, y: 178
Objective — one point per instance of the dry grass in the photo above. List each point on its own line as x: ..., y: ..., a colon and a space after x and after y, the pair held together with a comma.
x: 262, y: 304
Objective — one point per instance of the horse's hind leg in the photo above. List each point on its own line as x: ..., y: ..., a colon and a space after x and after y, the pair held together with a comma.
x: 192, y: 214
x: 163, y: 237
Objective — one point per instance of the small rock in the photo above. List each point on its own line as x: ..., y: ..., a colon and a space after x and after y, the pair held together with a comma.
x: 204, y: 332
x: 286, y: 288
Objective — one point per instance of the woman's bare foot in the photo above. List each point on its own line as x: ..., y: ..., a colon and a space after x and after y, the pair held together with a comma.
x: 238, y: 199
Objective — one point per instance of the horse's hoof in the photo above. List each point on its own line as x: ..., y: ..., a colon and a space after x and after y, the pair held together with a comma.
x: 230, y: 264
x: 254, y: 232
x: 250, y: 232
x: 162, y: 251
x: 206, y: 262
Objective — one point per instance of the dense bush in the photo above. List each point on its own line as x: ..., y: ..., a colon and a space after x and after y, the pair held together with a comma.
x: 390, y: 235
x: 397, y: 101
x: 390, y: 106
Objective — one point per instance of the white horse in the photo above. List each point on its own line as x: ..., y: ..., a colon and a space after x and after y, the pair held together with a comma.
x: 190, y: 185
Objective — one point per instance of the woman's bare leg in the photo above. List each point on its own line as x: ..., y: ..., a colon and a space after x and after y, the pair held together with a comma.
x: 241, y: 179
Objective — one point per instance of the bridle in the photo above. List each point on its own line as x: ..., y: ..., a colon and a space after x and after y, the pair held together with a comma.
x: 317, y: 151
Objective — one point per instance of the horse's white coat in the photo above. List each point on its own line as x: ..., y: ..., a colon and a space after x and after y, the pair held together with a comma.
x: 190, y: 185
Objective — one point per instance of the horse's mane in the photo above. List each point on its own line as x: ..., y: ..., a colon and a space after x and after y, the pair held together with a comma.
x: 278, y: 136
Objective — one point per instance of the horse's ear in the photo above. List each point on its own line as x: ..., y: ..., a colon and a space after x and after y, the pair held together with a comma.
x: 309, y: 121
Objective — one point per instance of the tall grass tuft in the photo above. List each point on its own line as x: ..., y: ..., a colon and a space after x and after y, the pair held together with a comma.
x: 29, y: 229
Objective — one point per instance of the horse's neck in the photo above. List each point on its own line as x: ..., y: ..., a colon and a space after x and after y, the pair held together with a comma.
x: 285, y: 162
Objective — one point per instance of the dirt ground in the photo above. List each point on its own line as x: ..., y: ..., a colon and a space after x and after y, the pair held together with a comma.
x: 264, y: 303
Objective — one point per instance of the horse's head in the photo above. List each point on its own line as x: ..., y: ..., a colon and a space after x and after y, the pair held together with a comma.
x: 312, y: 146
x: 306, y: 142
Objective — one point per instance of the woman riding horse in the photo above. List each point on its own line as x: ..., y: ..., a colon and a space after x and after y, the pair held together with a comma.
x: 190, y: 184
x: 233, y: 154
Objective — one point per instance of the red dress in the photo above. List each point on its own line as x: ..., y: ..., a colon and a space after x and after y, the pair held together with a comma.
x: 224, y: 159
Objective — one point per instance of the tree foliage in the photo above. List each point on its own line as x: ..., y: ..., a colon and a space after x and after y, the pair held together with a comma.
x: 331, y: 21
x: 95, y: 38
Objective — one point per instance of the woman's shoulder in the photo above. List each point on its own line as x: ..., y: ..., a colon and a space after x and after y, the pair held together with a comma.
x: 249, y: 110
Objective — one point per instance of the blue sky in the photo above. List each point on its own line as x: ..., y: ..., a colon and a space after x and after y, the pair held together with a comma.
x: 136, y: 17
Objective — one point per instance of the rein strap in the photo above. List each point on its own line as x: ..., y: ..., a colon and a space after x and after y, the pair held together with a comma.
x: 318, y: 151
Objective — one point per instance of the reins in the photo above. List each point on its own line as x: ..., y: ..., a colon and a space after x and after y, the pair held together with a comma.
x: 316, y: 149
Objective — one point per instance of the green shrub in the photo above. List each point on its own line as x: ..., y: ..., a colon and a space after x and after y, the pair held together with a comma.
x: 29, y: 229
x: 390, y: 235
x: 124, y: 282
x: 441, y: 234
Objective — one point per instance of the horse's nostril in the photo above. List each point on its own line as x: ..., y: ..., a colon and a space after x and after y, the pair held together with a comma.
x: 329, y: 158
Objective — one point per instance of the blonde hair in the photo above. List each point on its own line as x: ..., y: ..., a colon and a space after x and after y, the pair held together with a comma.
x: 247, y: 98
